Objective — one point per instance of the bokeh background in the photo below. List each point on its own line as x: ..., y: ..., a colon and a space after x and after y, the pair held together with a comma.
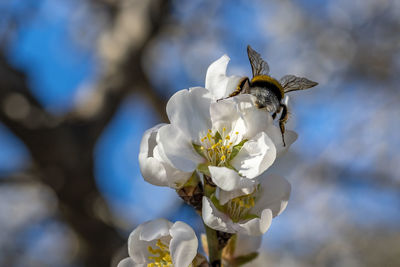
x: 81, y: 80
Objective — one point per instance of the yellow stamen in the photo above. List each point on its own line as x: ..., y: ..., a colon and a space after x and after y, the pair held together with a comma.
x: 239, y: 207
x: 162, y: 256
x: 217, y: 146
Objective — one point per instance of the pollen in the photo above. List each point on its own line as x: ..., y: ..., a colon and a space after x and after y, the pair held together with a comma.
x: 216, y: 146
x: 161, y: 255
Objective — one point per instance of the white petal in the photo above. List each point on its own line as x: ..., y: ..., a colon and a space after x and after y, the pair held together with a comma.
x: 189, y: 110
x: 225, y: 114
x: 183, y: 245
x: 275, y: 134
x: 217, y: 82
x: 173, y: 177
x: 224, y: 196
x: 228, y: 179
x: 155, y: 229
x: 246, y: 244
x: 154, y: 170
x: 255, y: 157
x: 128, y: 262
x: 256, y: 120
x: 146, y: 235
x: 215, y: 219
x: 151, y: 169
x: 178, y: 149
x: 137, y: 248
x: 275, y: 193
x: 257, y: 226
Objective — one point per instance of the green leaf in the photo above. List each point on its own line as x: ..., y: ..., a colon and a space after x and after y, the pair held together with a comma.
x: 237, y: 148
x: 203, y: 168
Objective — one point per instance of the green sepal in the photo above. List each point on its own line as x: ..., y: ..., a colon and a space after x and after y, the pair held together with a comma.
x: 237, y: 148
x: 203, y: 168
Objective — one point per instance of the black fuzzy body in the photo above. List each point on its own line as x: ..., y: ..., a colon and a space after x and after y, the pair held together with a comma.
x: 268, y: 95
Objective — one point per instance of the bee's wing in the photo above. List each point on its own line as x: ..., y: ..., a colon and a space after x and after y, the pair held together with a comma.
x: 294, y: 83
x: 258, y: 65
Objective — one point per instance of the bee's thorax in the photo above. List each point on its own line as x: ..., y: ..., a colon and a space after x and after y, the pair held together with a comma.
x: 268, y: 82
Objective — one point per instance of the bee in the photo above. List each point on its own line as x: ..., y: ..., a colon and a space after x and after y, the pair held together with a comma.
x: 268, y: 91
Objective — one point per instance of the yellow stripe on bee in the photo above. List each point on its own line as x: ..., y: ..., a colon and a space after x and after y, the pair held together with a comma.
x: 266, y: 78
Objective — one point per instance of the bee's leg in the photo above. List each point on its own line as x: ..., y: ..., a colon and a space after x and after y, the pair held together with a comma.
x: 242, y: 86
x: 282, y: 121
x: 276, y: 113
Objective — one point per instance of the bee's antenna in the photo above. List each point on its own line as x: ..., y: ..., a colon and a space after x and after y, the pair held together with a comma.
x: 222, y: 99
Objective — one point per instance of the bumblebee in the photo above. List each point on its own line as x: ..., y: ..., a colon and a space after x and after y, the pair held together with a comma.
x: 268, y: 91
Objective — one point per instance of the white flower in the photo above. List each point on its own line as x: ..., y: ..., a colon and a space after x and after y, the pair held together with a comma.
x: 153, y: 168
x: 249, y: 214
x: 230, y: 137
x: 220, y: 86
x: 232, y: 140
x: 161, y: 243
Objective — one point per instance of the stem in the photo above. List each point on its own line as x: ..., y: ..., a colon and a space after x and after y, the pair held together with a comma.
x: 214, y: 251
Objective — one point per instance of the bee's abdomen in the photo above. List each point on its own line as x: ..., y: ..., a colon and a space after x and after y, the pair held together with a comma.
x: 265, y: 98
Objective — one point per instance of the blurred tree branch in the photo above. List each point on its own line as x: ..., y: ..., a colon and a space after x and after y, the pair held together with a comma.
x: 62, y: 147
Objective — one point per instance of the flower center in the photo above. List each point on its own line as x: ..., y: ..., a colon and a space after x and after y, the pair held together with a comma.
x: 217, y: 147
x: 162, y: 256
x: 238, y: 208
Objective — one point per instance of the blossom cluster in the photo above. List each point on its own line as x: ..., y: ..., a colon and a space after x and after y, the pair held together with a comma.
x: 215, y: 153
